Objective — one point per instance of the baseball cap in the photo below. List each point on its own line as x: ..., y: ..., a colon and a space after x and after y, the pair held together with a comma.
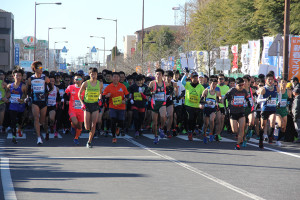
x: 194, y: 74
x: 80, y: 72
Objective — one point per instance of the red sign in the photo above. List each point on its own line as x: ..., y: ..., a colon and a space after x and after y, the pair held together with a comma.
x: 234, y: 50
x: 294, y: 64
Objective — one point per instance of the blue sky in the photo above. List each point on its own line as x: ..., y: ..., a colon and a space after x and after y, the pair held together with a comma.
x: 80, y: 19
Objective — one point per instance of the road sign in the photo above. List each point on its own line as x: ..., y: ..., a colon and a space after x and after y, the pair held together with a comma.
x: 62, y: 66
x: 223, y: 64
x: 28, y: 40
x: 17, y: 54
x: 94, y: 50
x: 64, y: 50
x: 276, y: 47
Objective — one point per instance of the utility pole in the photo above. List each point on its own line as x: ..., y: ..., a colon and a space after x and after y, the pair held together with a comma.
x: 286, y: 39
x: 142, y: 52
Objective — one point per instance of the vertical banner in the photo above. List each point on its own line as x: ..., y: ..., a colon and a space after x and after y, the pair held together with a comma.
x: 224, y: 52
x: 294, y: 64
x: 202, y: 61
x: 17, y: 54
x: 265, y: 58
x: 254, y: 47
x: 234, y: 50
x: 245, y: 59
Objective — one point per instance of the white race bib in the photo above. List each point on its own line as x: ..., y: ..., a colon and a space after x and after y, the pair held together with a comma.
x: 51, y: 101
x: 77, y: 104
x: 272, y: 102
x: 14, y: 98
x: 283, y: 103
x: 238, y: 100
x: 159, y: 96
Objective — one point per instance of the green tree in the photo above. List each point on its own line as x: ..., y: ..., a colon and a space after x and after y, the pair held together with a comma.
x: 113, y: 51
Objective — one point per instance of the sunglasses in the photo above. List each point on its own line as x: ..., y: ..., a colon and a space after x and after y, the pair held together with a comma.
x: 221, y: 79
x: 261, y: 85
x: 78, y: 79
x: 241, y: 84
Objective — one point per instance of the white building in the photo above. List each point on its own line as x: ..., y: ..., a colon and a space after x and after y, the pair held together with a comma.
x: 129, y: 45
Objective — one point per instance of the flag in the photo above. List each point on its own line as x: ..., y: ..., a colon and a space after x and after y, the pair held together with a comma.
x: 294, y: 63
x: 245, y: 59
x: 234, y: 50
x: 254, y: 53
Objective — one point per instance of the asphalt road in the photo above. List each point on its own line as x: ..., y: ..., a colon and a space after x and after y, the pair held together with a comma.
x: 136, y: 169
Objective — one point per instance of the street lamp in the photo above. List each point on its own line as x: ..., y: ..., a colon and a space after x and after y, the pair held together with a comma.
x: 35, y: 4
x: 115, y: 20
x: 104, y: 46
x: 49, y: 41
x: 55, y: 52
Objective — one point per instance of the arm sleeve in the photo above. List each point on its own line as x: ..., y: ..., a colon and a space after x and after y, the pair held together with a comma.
x: 260, y: 99
x: 183, y: 80
x: 279, y: 97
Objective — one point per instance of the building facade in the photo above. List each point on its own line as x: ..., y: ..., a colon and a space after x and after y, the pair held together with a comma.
x: 6, y: 40
x: 129, y: 45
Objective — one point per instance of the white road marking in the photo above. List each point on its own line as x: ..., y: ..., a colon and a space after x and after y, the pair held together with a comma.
x: 8, y: 187
x: 199, y: 172
x: 86, y: 135
x: 151, y: 136
x: 51, y: 136
x: 10, y: 136
x: 91, y: 157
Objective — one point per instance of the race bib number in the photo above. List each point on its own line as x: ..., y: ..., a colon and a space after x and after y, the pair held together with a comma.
x: 194, y: 98
x: 117, y: 100
x: 14, y: 98
x: 160, y: 96
x: 211, y: 103
x: 137, y: 96
x: 93, y: 96
x: 238, y: 100
x: 51, y: 101
x: 38, y: 88
x: 283, y: 103
x: 272, y: 102
x: 77, y: 104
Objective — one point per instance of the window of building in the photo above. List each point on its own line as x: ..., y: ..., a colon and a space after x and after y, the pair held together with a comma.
x: 2, y: 45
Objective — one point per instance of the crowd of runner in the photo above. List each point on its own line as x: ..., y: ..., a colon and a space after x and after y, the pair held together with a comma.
x: 171, y: 103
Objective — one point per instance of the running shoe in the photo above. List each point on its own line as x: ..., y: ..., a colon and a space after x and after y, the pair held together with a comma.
x: 47, y: 137
x: 20, y: 133
x: 106, y: 134
x: 237, y: 147
x: 211, y: 137
x: 76, y: 141
x: 257, y: 137
x: 169, y: 134
x: 190, y: 136
x: 205, y: 140
x: 137, y: 134
x: 156, y: 140
x: 56, y: 134
x: 278, y: 143
x: 39, y: 141
x: 161, y: 133
x: 265, y: 137
x: 73, y: 131
x: 295, y: 139
x: 219, y: 137
x: 249, y: 135
x: 88, y: 145
x: 174, y: 132
x: 196, y: 132
x: 244, y: 144
x: 114, y: 140
x: 117, y: 131
x: 261, y: 145
x: 270, y: 139
x: 122, y: 133
x: 184, y: 131
x: 14, y: 140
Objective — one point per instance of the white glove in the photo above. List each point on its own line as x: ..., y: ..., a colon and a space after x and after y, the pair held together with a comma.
x: 131, y: 101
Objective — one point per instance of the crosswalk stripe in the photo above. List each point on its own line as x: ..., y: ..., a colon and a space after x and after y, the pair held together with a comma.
x: 51, y: 136
x: 151, y: 136
x: 185, y: 137
x: 86, y: 135
x: 10, y: 136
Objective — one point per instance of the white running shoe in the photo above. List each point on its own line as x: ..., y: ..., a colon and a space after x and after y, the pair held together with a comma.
x: 278, y: 143
x: 39, y: 141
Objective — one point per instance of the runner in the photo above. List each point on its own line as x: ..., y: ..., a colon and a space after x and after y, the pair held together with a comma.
x: 178, y: 104
x: 17, y: 93
x: 53, y: 100
x: 193, y: 92
x: 282, y: 111
x: 296, y: 111
x: 75, y: 112
x: 3, y: 98
x: 118, y: 95
x: 90, y: 104
x: 158, y: 103
x: 171, y: 92
x: 221, y: 113
x: 268, y: 96
x: 236, y: 98
x: 37, y: 89
x: 104, y: 113
x: 211, y: 97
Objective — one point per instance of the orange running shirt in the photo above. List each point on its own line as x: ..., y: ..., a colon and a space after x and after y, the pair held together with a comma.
x: 117, y: 95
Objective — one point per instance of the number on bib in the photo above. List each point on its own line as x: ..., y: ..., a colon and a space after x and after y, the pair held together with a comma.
x: 117, y: 100
x: 137, y: 96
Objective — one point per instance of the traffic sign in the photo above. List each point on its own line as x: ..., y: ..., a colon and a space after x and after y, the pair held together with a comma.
x: 276, y: 47
x: 64, y: 50
x: 94, y: 50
